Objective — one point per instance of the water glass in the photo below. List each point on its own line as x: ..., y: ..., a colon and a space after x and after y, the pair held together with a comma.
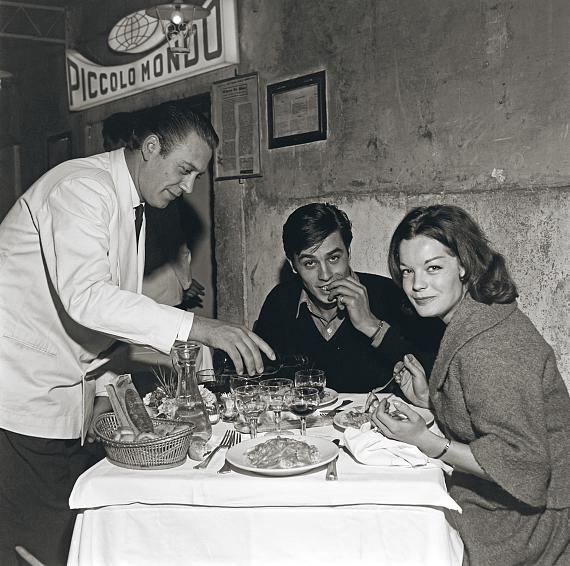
x: 311, y: 378
x: 235, y: 381
x: 250, y: 403
x: 274, y: 390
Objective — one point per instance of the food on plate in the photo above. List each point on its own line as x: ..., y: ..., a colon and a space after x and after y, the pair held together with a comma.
x: 282, y: 453
x: 355, y: 418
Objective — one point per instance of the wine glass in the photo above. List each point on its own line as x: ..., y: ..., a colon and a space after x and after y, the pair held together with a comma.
x: 274, y: 390
x: 250, y: 403
x: 312, y: 378
x: 302, y: 401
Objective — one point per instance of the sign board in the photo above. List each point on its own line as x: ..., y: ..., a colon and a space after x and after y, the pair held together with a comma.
x: 215, y: 45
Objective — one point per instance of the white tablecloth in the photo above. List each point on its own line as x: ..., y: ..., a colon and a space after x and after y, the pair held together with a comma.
x: 371, y: 515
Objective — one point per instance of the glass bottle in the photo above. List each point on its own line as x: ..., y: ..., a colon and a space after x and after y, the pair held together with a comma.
x: 284, y: 364
x: 189, y: 404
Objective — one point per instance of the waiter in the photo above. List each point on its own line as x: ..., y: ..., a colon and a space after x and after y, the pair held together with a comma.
x: 71, y: 269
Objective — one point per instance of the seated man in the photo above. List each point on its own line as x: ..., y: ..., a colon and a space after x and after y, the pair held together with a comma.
x: 349, y: 324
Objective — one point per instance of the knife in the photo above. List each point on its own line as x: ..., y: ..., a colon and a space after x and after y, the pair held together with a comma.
x: 331, y: 468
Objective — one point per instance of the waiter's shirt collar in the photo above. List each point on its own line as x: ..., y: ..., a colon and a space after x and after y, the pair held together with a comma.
x: 136, y: 200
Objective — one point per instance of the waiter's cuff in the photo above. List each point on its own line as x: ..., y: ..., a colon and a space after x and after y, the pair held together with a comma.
x: 185, y: 326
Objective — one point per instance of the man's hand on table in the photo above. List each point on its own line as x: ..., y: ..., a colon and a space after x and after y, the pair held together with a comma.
x: 241, y: 344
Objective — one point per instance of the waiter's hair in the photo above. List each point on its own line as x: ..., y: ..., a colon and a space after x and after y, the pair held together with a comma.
x: 310, y: 224
x: 486, y: 274
x: 170, y: 122
x: 117, y: 130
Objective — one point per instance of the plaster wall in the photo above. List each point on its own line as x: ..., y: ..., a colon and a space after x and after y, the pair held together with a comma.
x: 440, y: 101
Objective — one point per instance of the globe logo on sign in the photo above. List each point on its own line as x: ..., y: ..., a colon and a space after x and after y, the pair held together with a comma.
x: 135, y: 33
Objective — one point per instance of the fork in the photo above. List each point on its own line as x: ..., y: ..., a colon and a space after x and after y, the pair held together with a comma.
x: 333, y: 412
x: 226, y: 467
x: 225, y: 443
x: 332, y: 474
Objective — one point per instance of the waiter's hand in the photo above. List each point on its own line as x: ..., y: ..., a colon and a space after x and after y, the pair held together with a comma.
x: 352, y: 295
x: 241, y: 344
x: 100, y: 406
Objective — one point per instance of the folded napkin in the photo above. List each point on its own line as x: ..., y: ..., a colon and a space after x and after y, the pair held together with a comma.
x: 371, y: 447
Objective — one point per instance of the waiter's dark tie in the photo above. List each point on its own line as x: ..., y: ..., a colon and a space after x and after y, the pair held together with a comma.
x: 139, y: 211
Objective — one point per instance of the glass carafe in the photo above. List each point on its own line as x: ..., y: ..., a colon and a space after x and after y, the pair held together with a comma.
x: 189, y: 404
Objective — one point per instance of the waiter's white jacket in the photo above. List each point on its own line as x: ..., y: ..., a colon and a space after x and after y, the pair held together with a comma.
x: 70, y: 281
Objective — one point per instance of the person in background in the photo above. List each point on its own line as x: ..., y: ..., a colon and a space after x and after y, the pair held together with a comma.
x: 349, y: 324
x: 496, y: 391
x: 167, y: 271
x: 71, y: 265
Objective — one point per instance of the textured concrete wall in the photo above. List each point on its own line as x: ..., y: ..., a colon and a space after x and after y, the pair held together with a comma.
x: 530, y: 228
x: 440, y: 101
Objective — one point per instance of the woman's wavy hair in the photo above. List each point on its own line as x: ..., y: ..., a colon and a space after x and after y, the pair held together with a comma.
x: 486, y: 274
x: 171, y: 122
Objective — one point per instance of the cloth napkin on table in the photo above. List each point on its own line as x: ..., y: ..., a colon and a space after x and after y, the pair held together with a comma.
x: 374, y: 449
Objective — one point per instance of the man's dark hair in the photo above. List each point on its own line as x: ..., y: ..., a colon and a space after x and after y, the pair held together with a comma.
x: 171, y: 122
x: 310, y: 224
x: 117, y: 130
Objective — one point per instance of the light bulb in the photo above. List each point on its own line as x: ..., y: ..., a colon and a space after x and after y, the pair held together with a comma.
x: 176, y: 17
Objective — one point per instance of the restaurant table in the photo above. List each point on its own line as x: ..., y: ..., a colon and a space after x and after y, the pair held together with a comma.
x: 371, y: 515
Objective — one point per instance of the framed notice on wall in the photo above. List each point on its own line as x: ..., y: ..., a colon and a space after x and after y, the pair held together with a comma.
x: 235, y: 115
x: 297, y: 110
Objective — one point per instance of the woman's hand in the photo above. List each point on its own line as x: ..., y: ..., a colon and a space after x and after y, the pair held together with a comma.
x: 411, y: 377
x: 404, y: 424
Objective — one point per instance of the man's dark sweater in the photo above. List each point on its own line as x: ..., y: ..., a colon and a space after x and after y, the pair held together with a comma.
x: 351, y: 364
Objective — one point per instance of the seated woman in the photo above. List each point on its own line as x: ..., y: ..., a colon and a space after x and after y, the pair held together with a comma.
x: 495, y: 390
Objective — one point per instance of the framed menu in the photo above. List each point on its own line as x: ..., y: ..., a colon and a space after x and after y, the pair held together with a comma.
x: 297, y: 110
x: 235, y: 116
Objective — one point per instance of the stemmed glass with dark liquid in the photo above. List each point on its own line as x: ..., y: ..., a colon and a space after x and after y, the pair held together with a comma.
x: 302, y: 401
x: 312, y: 378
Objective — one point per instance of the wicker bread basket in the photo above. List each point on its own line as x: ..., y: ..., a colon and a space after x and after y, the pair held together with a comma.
x: 166, y: 452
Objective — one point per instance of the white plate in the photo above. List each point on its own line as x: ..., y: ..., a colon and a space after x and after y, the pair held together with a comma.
x: 330, y: 397
x: 342, y: 420
x: 426, y: 414
x: 236, y: 456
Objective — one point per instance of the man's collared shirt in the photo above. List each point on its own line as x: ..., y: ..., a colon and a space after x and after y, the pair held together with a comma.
x: 328, y: 328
